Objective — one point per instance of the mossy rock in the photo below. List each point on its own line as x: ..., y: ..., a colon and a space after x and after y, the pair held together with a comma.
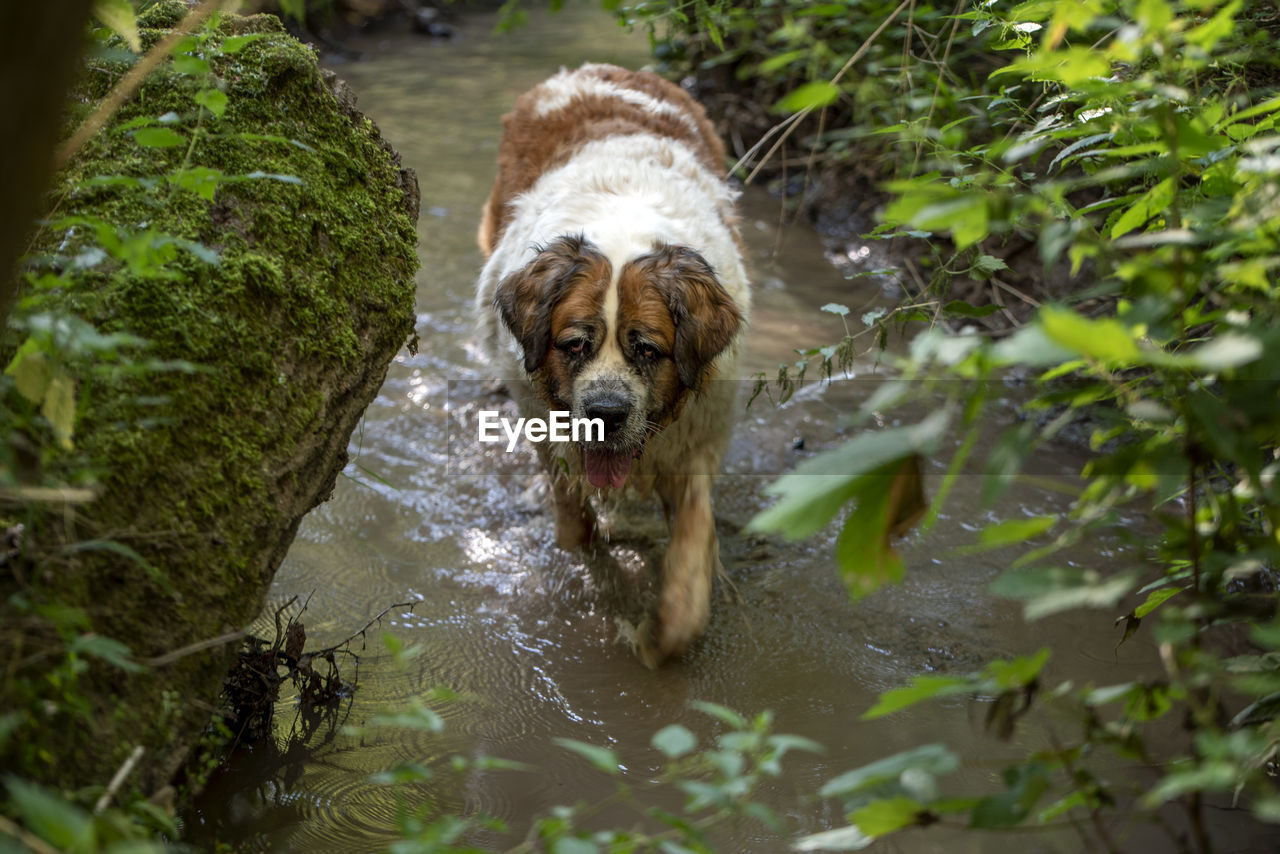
x: 202, y: 475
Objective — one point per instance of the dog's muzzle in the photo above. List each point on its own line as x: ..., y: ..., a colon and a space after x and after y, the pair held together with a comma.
x: 609, y: 462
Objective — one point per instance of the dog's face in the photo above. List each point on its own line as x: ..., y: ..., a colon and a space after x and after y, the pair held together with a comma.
x: 626, y: 346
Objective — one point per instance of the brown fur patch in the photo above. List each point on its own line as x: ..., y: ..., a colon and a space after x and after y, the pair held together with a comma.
x: 563, y: 280
x: 533, y: 144
x: 674, y: 290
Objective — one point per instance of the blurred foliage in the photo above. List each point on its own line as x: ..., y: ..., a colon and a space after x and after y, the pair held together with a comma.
x: 56, y: 363
x: 1133, y: 144
x: 718, y: 783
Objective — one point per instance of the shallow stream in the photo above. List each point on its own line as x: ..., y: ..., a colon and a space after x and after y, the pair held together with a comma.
x: 524, y: 631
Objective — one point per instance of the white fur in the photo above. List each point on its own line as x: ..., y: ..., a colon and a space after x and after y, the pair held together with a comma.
x: 626, y: 194
x: 567, y: 85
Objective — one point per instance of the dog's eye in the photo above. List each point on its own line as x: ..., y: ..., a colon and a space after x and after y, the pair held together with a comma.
x: 575, y: 346
x: 645, y: 350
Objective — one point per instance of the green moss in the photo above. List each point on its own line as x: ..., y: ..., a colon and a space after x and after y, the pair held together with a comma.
x: 311, y: 297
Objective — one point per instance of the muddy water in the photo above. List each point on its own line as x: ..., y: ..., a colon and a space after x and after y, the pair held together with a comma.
x: 525, y: 631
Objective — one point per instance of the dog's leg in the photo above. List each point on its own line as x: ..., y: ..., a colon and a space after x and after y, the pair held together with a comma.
x: 691, y: 559
x: 575, y: 521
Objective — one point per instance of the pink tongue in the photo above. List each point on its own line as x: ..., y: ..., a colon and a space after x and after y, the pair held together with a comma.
x: 605, y: 469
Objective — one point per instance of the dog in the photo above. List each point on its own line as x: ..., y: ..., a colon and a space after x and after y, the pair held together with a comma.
x: 614, y: 289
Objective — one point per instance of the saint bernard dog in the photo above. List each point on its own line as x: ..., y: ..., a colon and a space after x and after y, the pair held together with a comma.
x: 614, y: 289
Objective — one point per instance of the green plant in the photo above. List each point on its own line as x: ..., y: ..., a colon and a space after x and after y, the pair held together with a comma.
x: 719, y: 783
x: 1132, y: 143
x: 61, y: 366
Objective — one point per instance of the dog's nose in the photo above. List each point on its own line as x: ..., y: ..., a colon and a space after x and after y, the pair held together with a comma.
x: 611, y: 410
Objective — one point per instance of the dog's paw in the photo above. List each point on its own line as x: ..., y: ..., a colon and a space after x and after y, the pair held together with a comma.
x: 683, y: 611
x: 575, y: 530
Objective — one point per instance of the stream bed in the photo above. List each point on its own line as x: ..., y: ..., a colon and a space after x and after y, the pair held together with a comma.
x: 522, y: 630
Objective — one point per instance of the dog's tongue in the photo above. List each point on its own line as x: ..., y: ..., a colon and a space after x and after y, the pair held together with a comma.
x: 606, y: 468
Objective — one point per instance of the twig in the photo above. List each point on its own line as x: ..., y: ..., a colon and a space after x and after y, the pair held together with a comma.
x: 35, y: 843
x: 753, y: 149
x: 125, y: 769
x: 1034, y: 303
x: 381, y: 614
x: 937, y: 89
x: 924, y: 290
x: 792, y: 122
x: 198, y: 646
x: 128, y: 84
x: 52, y: 494
x: 279, y: 638
x: 1008, y: 315
x: 1095, y: 815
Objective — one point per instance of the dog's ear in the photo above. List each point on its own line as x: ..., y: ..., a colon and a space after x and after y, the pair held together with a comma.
x: 706, y: 317
x: 527, y: 298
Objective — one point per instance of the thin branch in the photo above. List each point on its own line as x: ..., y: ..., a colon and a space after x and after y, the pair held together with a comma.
x: 198, y: 646
x: 792, y: 122
x: 125, y: 769
x: 937, y: 89
x: 35, y: 843
x: 129, y: 84
x: 381, y: 614
x: 1009, y: 289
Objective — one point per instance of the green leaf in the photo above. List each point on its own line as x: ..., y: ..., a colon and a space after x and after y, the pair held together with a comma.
x: 1017, y: 672
x: 818, y: 93
x: 111, y: 651
x: 965, y: 216
x: 185, y: 63
x: 674, y: 741
x: 882, y: 817
x: 1026, y: 783
x: 273, y: 176
x: 811, y: 495
x: 1210, y: 776
x: 573, y: 845
x: 59, y: 406
x: 213, y: 100
x: 201, y: 180
x: 1148, y: 205
x: 601, y: 757
x: 840, y: 839
x: 1207, y: 35
x: 782, y: 60
x: 1048, y: 590
x: 402, y: 773
x: 784, y: 743
x: 1229, y: 350
x: 61, y: 824
x: 117, y: 548
x: 921, y: 688
x: 960, y: 308
x: 931, y: 758
x: 235, y: 44
x: 724, y: 714
x: 158, y: 137
x: 415, y: 716
x: 1105, y: 340
x: 1015, y: 531
x: 1030, y: 346
x: 1155, y: 599
x: 985, y: 266
x: 119, y: 16
x: 863, y: 550
x: 31, y: 371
